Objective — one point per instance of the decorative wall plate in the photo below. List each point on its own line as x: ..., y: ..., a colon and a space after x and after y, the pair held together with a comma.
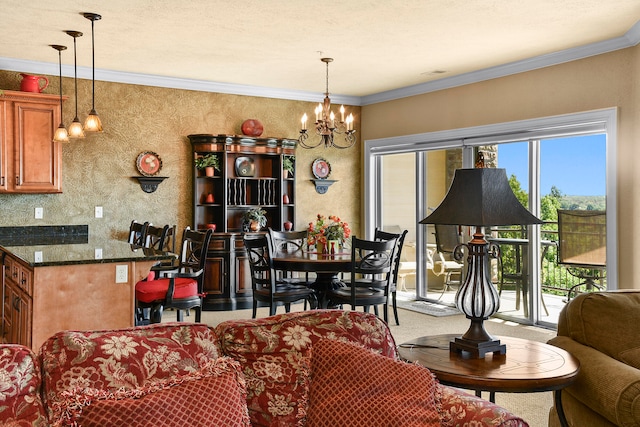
x: 320, y: 168
x: 148, y: 163
x: 245, y: 167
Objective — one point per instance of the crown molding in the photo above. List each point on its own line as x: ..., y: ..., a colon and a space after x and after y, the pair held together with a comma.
x: 631, y: 38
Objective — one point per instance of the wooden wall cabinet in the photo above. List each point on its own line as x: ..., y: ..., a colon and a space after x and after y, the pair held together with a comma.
x: 250, y: 176
x: 30, y: 162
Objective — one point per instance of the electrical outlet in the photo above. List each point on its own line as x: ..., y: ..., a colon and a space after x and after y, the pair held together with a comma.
x: 39, y: 213
x: 98, y: 253
x: 122, y: 273
x: 98, y: 211
x: 37, y: 256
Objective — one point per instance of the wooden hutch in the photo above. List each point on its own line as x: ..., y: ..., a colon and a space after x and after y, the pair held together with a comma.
x: 250, y: 176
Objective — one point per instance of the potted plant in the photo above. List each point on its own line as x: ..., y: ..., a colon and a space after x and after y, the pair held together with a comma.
x: 208, y: 162
x: 254, y: 219
x: 287, y: 166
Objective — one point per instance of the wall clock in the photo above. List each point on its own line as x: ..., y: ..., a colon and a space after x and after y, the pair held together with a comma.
x: 148, y: 163
x: 320, y: 168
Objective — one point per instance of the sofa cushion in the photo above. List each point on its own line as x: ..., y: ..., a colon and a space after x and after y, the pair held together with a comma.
x: 351, y: 385
x: 20, y: 403
x: 606, y: 321
x: 274, y: 353
x: 213, y: 395
x: 123, y: 358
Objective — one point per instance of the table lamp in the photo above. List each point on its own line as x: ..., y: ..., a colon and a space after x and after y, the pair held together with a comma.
x: 479, y: 197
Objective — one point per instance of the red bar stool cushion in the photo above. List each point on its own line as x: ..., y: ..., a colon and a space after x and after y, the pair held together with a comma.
x: 152, y: 290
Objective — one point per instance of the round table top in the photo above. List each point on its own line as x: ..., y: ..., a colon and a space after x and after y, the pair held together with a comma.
x: 528, y: 366
x: 312, y: 261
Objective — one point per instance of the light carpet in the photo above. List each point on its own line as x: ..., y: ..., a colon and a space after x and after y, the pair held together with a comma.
x: 532, y: 407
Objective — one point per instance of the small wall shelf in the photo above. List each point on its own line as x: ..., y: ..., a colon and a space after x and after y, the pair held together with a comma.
x: 149, y: 184
x: 322, y: 185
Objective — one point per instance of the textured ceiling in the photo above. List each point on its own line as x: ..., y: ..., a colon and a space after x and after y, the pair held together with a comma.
x: 377, y: 45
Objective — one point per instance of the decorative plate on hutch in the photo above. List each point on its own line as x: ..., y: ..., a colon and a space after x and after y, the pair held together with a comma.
x: 148, y: 163
x: 245, y: 167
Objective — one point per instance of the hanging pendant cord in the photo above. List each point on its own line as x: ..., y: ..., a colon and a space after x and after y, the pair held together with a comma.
x: 75, y: 72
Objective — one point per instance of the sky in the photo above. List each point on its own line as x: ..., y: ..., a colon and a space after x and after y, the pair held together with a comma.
x: 576, y: 165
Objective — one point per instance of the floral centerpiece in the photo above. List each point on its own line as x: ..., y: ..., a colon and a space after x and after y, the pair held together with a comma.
x: 327, y: 229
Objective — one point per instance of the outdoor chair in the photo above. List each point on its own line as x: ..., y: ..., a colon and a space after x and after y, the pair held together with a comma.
x: 444, y: 264
x: 582, y: 247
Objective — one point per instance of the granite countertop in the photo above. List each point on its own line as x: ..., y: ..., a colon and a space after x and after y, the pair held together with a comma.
x: 93, y: 251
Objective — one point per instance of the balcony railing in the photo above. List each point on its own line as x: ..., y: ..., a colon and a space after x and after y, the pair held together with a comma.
x: 554, y: 278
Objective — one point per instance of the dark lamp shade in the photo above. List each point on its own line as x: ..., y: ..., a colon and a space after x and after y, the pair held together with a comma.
x: 480, y: 197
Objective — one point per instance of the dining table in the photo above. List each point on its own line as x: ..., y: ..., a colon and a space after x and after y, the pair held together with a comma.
x: 327, y: 268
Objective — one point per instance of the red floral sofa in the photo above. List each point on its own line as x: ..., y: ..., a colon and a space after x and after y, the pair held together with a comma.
x: 314, y: 368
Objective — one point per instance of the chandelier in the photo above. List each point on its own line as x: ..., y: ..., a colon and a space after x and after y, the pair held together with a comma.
x: 326, y: 124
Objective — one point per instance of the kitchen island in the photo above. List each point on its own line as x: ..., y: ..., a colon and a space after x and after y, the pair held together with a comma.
x: 90, y: 285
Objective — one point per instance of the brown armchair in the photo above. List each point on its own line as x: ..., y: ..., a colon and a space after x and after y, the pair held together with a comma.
x: 601, y: 330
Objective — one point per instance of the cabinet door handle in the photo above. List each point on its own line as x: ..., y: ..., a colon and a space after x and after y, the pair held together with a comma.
x: 2, y: 181
x: 17, y: 179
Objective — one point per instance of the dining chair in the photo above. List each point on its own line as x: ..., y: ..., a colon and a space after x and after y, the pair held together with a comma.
x: 371, y: 272
x: 161, y: 238
x: 138, y: 233
x: 393, y: 286
x: 267, y: 288
x: 290, y: 241
x: 181, y: 289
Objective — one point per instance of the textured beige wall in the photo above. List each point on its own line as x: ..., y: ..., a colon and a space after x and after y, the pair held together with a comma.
x: 97, y: 171
x: 602, y: 81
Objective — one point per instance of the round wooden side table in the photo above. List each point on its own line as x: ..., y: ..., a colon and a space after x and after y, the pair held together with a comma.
x: 529, y: 366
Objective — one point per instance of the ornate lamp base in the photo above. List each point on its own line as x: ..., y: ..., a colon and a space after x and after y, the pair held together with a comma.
x: 477, y: 350
x: 477, y: 341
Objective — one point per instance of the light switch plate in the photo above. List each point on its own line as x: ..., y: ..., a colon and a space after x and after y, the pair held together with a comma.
x: 98, y: 211
x: 39, y: 213
x: 37, y: 256
x: 98, y: 253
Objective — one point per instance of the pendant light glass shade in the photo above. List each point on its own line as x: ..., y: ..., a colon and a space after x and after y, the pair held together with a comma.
x: 92, y: 122
x: 75, y: 129
x: 61, y: 134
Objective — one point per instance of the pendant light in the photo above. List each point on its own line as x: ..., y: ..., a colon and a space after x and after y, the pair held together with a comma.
x: 61, y: 134
x: 92, y: 122
x: 75, y: 128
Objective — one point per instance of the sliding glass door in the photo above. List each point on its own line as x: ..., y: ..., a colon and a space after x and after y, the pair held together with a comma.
x: 566, y: 167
